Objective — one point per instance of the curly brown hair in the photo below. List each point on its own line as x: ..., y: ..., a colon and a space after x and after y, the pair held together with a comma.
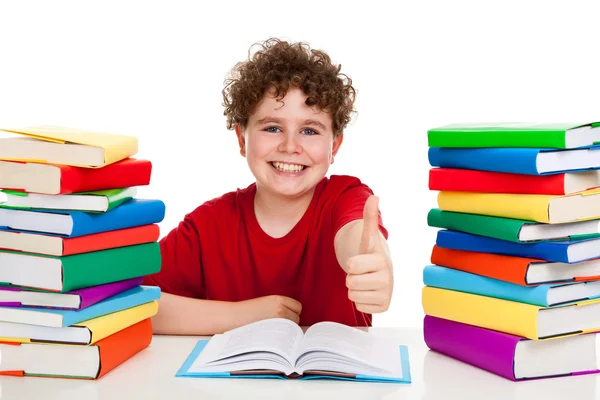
x: 279, y: 64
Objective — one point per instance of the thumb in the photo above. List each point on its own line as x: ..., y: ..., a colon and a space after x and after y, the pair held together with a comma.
x: 370, y: 232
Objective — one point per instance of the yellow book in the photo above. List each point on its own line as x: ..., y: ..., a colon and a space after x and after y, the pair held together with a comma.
x: 531, y: 207
x: 67, y: 146
x: 84, y: 333
x: 521, y: 319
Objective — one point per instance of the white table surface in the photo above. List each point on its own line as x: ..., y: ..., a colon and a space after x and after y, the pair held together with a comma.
x: 151, y: 375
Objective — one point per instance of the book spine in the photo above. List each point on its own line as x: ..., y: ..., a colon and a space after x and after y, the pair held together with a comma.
x: 112, y: 265
x: 466, y: 180
x: 520, y: 161
x: 135, y: 212
x: 110, y: 239
x: 484, y: 225
x: 483, y: 348
x: 127, y: 173
x: 548, y: 251
x: 506, y: 268
x: 121, y: 346
x: 527, y: 207
x: 451, y: 279
x: 550, y: 138
x: 511, y: 317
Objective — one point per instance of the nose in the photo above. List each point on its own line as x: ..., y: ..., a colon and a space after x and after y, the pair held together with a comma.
x: 289, y: 144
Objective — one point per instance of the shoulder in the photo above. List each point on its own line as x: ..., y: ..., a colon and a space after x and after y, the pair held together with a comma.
x: 223, y: 207
x: 337, y: 185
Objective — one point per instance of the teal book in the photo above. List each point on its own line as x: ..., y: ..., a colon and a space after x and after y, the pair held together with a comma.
x: 278, y: 348
x: 517, y: 134
x: 94, y: 201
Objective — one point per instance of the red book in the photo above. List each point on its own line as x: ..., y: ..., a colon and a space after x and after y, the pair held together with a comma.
x: 75, y: 361
x: 64, y: 179
x: 467, y: 180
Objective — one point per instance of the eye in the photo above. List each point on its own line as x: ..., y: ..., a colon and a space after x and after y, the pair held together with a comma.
x: 272, y: 129
x: 310, y: 132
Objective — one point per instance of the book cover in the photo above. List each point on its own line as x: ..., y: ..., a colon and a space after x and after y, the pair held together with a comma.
x: 516, y: 134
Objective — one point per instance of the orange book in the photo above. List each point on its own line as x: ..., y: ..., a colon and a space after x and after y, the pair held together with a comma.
x: 59, y: 246
x: 519, y: 270
x: 75, y: 361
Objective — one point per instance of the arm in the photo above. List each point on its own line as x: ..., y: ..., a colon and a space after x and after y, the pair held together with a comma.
x: 179, y: 315
x: 363, y: 253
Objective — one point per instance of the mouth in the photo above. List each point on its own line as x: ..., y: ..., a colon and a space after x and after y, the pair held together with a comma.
x: 288, y: 168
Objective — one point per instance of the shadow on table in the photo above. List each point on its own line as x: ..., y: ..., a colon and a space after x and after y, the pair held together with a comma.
x: 447, y: 378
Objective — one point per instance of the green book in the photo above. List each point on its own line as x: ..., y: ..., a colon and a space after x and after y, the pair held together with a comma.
x: 517, y: 134
x: 512, y: 230
x: 95, y: 201
x: 63, y: 274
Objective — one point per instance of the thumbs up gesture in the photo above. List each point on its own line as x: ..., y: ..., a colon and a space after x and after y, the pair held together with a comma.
x: 370, y: 280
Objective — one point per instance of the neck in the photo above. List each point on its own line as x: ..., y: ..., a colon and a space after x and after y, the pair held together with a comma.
x: 277, y: 215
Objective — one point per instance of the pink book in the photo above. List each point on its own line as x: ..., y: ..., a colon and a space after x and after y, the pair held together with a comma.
x: 11, y: 296
x: 513, y: 357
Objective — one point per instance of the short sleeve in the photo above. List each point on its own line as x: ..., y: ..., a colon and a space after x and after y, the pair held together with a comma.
x: 350, y: 206
x: 181, y: 269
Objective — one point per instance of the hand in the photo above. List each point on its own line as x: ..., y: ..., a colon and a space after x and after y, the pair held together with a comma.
x: 269, y: 307
x: 370, y: 280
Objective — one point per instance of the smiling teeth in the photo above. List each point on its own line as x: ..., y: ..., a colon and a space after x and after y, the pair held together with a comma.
x: 288, y: 167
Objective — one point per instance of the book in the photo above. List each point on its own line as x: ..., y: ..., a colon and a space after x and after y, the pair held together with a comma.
x: 61, y: 318
x: 530, y: 207
x: 78, y: 299
x: 519, y: 270
x: 83, y: 333
x: 513, y: 230
x: 75, y: 361
x: 278, y: 348
x: 33, y: 177
x: 67, y: 146
x: 566, y: 251
x: 467, y: 180
x: 513, y: 357
x: 53, y: 245
x: 521, y: 319
x: 63, y: 274
x: 135, y: 212
x: 515, y: 134
x: 528, y: 161
x: 544, y: 295
x: 95, y: 201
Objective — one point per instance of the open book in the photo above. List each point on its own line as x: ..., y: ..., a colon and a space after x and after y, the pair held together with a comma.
x: 278, y: 348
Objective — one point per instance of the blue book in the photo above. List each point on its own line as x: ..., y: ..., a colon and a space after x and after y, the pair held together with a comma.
x: 136, y: 212
x: 545, y: 295
x: 62, y: 318
x: 527, y: 161
x: 565, y: 251
x: 278, y: 349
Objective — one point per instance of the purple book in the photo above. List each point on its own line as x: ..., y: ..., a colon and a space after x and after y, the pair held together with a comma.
x: 76, y: 299
x: 513, y: 357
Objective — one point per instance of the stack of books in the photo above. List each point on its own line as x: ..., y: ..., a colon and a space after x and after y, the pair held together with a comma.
x: 513, y: 286
x: 75, y: 245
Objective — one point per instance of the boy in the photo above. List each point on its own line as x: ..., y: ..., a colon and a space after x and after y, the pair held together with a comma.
x: 294, y: 244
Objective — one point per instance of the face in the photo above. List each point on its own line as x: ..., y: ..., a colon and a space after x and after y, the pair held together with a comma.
x: 289, y: 146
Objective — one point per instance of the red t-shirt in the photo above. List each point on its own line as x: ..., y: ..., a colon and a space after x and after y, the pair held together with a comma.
x: 220, y: 252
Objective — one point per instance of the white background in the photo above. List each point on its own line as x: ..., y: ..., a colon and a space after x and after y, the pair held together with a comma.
x: 156, y: 69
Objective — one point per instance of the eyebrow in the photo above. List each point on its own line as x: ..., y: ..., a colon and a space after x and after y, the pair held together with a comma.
x: 279, y: 121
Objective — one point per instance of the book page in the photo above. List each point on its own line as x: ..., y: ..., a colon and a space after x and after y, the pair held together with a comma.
x: 356, y: 346
x: 278, y: 335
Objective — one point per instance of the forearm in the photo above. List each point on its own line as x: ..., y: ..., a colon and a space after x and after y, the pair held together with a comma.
x: 179, y: 315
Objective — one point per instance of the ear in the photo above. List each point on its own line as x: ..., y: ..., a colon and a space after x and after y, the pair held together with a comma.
x: 337, y: 142
x: 241, y: 139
